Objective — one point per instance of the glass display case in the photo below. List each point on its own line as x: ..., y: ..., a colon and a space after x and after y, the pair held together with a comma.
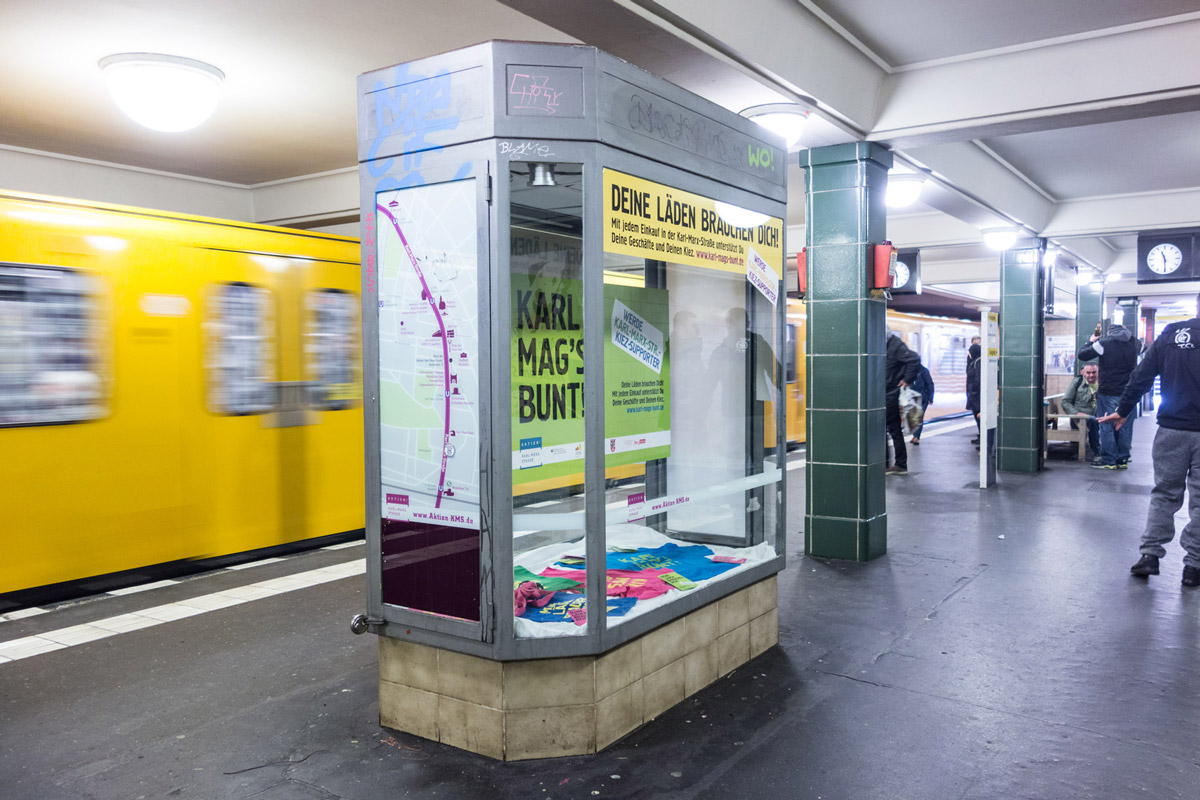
x: 547, y: 229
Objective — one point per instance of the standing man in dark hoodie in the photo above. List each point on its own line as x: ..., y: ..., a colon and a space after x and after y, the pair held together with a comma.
x: 901, y: 369
x: 1118, y: 352
x: 1175, y: 355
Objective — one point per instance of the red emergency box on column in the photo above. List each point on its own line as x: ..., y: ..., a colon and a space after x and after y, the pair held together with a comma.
x: 882, y: 267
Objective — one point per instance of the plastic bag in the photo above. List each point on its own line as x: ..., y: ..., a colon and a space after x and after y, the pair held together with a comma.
x: 912, y: 409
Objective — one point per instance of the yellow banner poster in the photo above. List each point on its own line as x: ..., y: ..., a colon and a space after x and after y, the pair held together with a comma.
x: 650, y: 220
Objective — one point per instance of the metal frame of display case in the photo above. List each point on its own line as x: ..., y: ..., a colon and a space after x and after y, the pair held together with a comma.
x: 621, y: 118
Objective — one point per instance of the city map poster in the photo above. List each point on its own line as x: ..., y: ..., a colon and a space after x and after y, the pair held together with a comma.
x: 428, y: 251
x: 548, y: 380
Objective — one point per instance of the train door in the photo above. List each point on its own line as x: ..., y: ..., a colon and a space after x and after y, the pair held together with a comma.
x: 282, y: 351
x: 329, y: 348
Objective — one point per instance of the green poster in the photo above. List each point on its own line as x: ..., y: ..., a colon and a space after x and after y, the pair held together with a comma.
x: 637, y: 375
x: 547, y: 376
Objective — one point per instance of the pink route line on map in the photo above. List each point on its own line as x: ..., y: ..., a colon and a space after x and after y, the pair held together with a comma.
x: 445, y: 348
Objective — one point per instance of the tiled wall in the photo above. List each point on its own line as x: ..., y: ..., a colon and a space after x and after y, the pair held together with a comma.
x: 570, y: 706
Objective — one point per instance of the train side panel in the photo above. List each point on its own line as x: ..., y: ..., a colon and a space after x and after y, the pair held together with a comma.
x: 158, y: 475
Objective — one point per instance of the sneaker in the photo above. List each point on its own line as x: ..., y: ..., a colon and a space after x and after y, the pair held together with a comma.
x: 896, y: 471
x: 1147, y: 565
x: 1191, y: 576
x: 1102, y: 465
x: 1122, y: 465
x: 975, y: 440
x: 915, y: 441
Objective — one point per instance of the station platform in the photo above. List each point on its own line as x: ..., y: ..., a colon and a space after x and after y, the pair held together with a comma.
x: 999, y: 650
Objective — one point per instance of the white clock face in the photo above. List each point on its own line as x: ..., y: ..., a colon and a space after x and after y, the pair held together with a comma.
x: 1164, y: 259
x: 902, y: 274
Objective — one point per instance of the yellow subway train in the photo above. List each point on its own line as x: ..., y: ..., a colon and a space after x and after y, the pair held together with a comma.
x: 172, y: 388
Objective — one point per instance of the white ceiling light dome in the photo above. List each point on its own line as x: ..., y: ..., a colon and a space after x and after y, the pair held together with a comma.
x: 1000, y: 238
x: 904, y: 188
x: 164, y: 93
x: 785, y: 119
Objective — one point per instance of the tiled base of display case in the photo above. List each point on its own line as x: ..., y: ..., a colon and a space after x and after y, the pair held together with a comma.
x: 570, y: 706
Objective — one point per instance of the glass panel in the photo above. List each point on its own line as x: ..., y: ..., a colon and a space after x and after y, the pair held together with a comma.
x: 49, y: 366
x: 331, y: 349
x: 693, y: 359
x: 429, y: 349
x: 546, y: 266
x: 241, y: 349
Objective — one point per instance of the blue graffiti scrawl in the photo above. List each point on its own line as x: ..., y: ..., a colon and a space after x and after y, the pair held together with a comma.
x: 414, y: 107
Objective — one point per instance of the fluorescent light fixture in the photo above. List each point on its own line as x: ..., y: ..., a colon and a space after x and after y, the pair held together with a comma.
x: 1112, y: 277
x: 739, y: 217
x: 1084, y: 276
x: 161, y: 92
x: 999, y: 238
x: 785, y: 119
x: 904, y: 188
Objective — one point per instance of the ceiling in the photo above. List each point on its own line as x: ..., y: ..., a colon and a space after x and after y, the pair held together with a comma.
x: 906, y: 34
x: 1077, y: 125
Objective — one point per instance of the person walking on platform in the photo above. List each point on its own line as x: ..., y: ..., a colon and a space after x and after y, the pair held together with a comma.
x: 974, y: 366
x: 901, y: 369
x: 923, y: 385
x: 1117, y: 353
x: 1175, y: 356
x: 1080, y: 400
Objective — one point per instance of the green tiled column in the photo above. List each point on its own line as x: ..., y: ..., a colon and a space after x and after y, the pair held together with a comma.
x: 1089, y: 310
x: 1022, y: 369
x: 845, y: 514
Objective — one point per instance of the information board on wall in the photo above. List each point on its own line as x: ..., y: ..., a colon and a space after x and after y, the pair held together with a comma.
x: 649, y: 220
x: 428, y: 252
x: 1060, y: 354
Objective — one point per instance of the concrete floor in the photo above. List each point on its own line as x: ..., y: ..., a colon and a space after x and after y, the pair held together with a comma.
x: 999, y: 650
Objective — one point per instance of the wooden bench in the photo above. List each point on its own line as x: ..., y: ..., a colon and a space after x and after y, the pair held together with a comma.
x: 1059, y: 427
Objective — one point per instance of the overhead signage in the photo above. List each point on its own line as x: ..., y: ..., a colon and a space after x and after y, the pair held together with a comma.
x: 650, y: 220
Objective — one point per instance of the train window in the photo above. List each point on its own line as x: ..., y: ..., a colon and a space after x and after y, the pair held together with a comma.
x: 331, y: 349
x: 240, y: 349
x: 49, y: 366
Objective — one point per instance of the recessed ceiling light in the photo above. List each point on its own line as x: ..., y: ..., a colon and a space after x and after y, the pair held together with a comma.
x: 785, y: 119
x: 163, y: 93
x: 1000, y: 238
x: 904, y: 188
x: 1112, y: 277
